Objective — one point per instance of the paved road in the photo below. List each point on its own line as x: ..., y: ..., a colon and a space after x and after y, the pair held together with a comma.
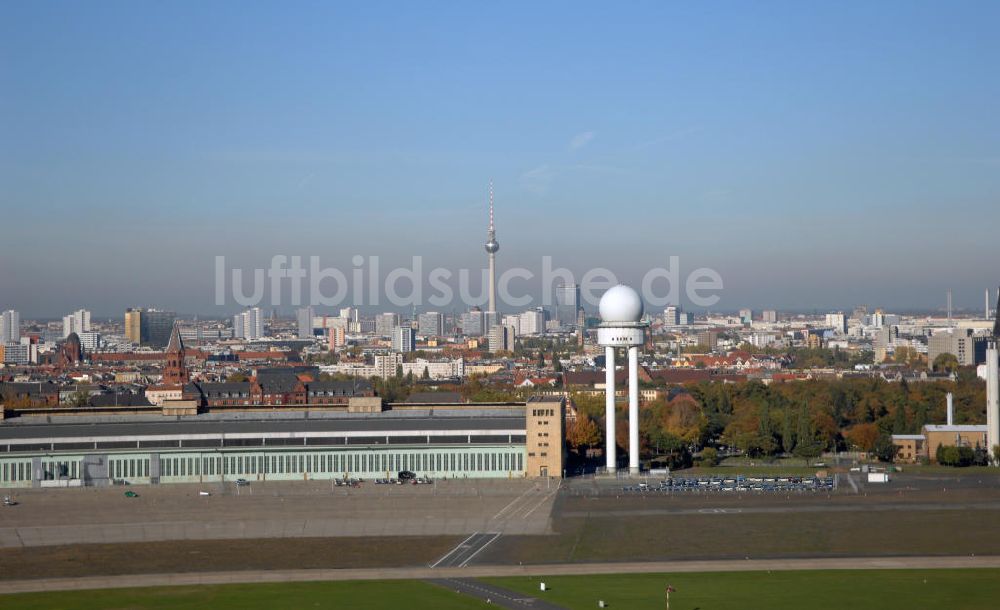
x: 461, y: 555
x: 427, y: 573
x: 497, y: 596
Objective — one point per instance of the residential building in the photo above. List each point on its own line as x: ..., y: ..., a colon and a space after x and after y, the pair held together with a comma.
x: 502, y: 338
x: 532, y: 322
x: 10, y: 327
x: 837, y: 321
x: 249, y: 324
x: 305, y: 321
x: 77, y: 322
x: 403, y: 339
x: 769, y: 316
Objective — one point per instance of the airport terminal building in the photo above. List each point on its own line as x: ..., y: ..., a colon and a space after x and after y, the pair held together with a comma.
x: 438, y: 441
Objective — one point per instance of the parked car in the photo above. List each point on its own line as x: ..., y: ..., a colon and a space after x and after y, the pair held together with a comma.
x: 406, y: 475
x: 242, y: 482
x: 9, y: 501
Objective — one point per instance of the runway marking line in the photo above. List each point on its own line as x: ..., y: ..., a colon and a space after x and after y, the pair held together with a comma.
x: 461, y: 545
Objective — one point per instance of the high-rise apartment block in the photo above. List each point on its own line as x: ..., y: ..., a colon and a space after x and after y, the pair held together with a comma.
x: 77, y: 322
x: 10, y: 327
x: 403, y: 339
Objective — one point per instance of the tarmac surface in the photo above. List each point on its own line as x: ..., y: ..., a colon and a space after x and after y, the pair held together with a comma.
x: 312, y: 509
x: 494, y: 595
x: 427, y: 573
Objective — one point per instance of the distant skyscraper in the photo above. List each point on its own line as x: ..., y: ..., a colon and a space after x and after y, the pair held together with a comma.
x: 769, y: 316
x: 77, y: 322
x: 671, y: 316
x: 502, y: 338
x: 567, y: 303
x: 403, y: 339
x: 532, y: 322
x: 492, y: 245
x: 746, y: 316
x: 150, y: 327
x: 838, y: 321
x: 10, y: 327
x: 305, y: 319
x: 249, y: 324
x: 133, y: 325
x: 472, y: 323
x: 430, y: 324
x: 385, y: 323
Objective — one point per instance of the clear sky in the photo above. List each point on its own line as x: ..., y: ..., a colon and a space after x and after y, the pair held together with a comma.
x: 816, y: 154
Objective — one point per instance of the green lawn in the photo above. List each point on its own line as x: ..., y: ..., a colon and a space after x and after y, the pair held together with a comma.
x: 359, y: 595
x: 794, y: 590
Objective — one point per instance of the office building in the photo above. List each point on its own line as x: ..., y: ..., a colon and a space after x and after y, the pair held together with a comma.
x: 430, y: 324
x: 746, y: 316
x: 472, y: 323
x: 385, y: 323
x: 769, y: 316
x: 969, y: 349
x: 151, y: 327
x: 567, y: 304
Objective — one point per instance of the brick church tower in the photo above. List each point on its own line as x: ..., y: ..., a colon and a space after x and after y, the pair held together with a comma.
x: 175, y: 372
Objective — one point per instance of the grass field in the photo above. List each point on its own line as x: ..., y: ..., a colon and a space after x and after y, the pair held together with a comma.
x: 758, y: 536
x: 360, y: 595
x: 830, y: 590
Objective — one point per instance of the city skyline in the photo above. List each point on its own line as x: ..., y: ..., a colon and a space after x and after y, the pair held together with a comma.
x: 371, y: 131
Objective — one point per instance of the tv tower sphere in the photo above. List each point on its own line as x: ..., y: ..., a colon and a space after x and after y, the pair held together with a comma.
x: 620, y: 304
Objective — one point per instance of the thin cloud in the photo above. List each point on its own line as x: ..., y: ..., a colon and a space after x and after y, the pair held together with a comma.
x: 580, y: 140
x: 537, y: 180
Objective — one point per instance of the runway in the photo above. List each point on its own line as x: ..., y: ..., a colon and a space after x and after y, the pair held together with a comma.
x: 428, y: 573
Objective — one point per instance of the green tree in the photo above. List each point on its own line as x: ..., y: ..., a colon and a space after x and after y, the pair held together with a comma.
x: 709, y: 457
x: 946, y: 363
x: 426, y: 375
x: 885, y: 450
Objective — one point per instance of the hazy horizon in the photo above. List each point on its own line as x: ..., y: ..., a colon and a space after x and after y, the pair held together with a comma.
x: 816, y: 156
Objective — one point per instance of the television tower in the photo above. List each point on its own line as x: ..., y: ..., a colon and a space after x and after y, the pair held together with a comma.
x: 492, y: 245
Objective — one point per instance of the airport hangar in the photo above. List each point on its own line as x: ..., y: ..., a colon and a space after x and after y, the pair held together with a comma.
x: 365, y: 439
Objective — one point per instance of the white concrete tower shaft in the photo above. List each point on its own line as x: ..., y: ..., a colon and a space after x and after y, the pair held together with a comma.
x: 633, y: 409
x: 992, y: 397
x: 621, y: 326
x: 610, y: 451
x: 492, y: 245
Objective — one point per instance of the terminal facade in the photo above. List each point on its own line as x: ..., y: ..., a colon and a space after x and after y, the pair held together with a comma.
x: 505, y: 440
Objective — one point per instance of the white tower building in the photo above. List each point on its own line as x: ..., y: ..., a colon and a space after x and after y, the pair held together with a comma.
x: 993, y: 387
x: 621, y: 312
x: 492, y: 245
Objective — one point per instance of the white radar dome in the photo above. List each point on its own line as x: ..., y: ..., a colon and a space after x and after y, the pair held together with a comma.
x: 620, y: 304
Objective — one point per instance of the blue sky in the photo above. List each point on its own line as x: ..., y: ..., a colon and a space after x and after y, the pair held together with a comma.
x: 817, y: 155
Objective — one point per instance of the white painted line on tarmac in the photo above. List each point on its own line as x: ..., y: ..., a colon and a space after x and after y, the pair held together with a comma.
x: 461, y: 546
x: 479, y: 550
